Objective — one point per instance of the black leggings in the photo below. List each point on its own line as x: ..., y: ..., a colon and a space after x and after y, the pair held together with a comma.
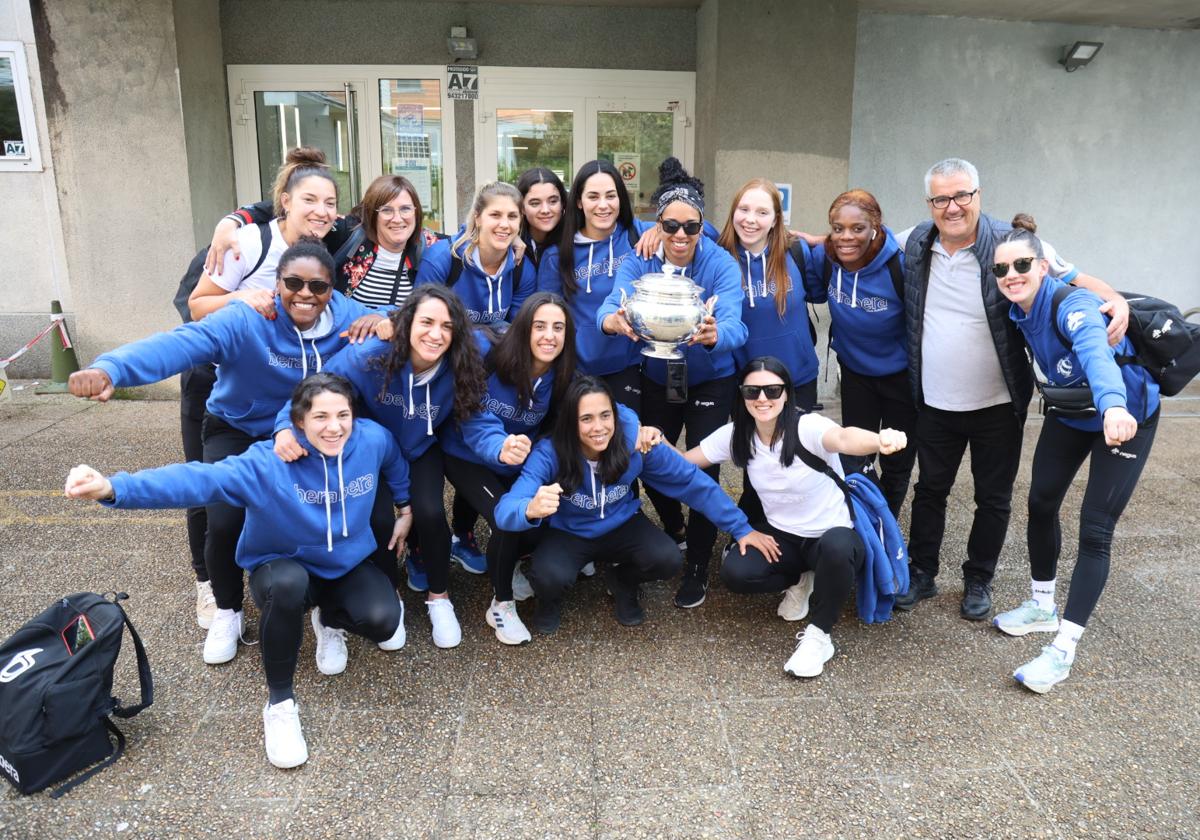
x: 837, y: 556
x: 359, y: 601
x: 480, y: 489
x: 195, y: 385
x: 706, y: 410
x: 627, y: 387
x: 222, y: 440
x: 881, y: 402
x: 426, y: 478
x: 1112, y: 474
x: 642, y: 551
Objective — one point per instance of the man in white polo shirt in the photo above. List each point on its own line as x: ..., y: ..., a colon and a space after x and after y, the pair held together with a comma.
x: 970, y: 375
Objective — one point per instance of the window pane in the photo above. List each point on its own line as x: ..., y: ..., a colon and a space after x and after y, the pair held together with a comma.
x: 526, y: 138
x: 12, y: 141
x: 410, y: 126
x: 286, y: 119
x: 637, y: 142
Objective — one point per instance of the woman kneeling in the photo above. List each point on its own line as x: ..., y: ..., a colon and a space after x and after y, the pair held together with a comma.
x: 304, y: 541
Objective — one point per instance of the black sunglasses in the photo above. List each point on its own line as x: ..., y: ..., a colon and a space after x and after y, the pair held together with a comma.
x: 317, y: 287
x: 751, y: 392
x: 670, y: 227
x: 1021, y: 265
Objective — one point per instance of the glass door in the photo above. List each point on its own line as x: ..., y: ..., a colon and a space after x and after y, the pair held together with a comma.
x: 520, y: 132
x: 411, y: 133
x: 636, y: 137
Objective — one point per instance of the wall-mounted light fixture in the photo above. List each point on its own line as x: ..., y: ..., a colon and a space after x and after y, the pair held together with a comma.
x: 1079, y: 54
x: 460, y: 45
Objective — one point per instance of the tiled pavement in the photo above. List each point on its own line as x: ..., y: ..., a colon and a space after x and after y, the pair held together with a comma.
x: 684, y: 727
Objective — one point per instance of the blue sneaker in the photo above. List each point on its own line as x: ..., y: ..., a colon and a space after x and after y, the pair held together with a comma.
x: 466, y: 551
x: 417, y: 581
x: 1027, y: 618
x: 1046, y: 671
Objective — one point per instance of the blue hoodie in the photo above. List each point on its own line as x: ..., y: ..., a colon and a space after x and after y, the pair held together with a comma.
x: 1090, y: 360
x: 413, y: 407
x: 316, y: 510
x: 596, y: 265
x: 717, y: 274
x: 259, y: 360
x: 867, y: 315
x: 501, y: 411
x: 488, y: 299
x: 595, y: 509
x: 785, y: 337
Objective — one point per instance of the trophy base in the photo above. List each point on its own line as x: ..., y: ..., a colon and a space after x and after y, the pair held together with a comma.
x: 662, y: 350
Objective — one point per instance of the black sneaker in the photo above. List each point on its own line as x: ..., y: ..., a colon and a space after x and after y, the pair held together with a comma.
x: 976, y: 600
x: 692, y: 591
x: 920, y: 586
x: 547, y: 615
x: 625, y: 599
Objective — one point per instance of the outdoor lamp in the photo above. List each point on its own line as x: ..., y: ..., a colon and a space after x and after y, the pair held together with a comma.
x: 1079, y: 54
x: 460, y: 45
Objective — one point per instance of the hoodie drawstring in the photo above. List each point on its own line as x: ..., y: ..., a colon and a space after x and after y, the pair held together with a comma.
x: 749, y: 280
x: 412, y: 409
x: 610, y: 256
x: 533, y: 393
x: 304, y: 353
x: 342, y: 492
x: 591, y: 251
x: 599, y: 502
x: 853, y: 291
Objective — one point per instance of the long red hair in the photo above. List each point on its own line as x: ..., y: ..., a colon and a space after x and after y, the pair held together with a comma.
x: 777, y: 242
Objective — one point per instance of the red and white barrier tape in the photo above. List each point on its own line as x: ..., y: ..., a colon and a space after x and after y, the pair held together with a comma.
x: 56, y: 321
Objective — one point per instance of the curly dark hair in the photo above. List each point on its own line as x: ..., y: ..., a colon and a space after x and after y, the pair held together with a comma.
x: 466, y: 365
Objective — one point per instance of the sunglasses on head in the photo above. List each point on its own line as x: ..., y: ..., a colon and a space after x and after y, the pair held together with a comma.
x: 670, y: 227
x: 751, y: 392
x: 1021, y: 265
x: 317, y: 287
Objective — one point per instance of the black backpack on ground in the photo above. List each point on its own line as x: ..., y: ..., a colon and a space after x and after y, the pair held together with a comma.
x: 196, y: 267
x: 56, y: 679
x: 1165, y: 343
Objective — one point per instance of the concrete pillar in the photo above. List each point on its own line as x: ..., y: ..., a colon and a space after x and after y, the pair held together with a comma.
x: 117, y: 135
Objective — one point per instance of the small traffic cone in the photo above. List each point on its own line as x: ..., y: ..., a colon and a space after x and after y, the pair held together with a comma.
x: 62, y: 355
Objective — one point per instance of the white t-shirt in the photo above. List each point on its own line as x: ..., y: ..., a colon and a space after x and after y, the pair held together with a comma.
x: 960, y: 370
x: 233, y: 273
x: 795, y: 499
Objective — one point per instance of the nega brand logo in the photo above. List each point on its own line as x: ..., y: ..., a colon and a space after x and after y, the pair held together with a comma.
x: 10, y: 770
x: 360, y: 486
x: 19, y: 664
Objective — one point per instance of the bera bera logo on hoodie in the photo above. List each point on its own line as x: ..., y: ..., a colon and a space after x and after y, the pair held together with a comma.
x: 360, y: 486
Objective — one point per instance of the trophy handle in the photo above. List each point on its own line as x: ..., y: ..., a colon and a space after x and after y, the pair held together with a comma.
x: 624, y: 298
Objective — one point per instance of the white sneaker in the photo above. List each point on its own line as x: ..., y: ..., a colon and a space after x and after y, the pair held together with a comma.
x: 206, y: 604
x: 502, y: 617
x: 794, y: 606
x: 220, y: 645
x: 589, y: 570
x: 285, y: 739
x: 446, y: 631
x: 331, y: 646
x: 522, y: 588
x: 399, y: 637
x: 810, y: 656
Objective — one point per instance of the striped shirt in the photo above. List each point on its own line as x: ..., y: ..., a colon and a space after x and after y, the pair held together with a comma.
x: 388, y: 282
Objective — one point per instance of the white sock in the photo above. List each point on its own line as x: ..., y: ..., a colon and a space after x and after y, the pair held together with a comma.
x: 1067, y: 638
x: 1043, y: 593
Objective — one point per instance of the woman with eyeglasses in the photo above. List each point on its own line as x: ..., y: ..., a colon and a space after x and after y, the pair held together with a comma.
x: 805, y: 510
x: 708, y: 357
x: 1069, y: 340
x: 599, y: 234
x: 863, y: 268
x: 260, y: 360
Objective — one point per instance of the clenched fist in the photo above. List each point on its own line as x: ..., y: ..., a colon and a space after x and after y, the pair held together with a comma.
x: 545, y: 503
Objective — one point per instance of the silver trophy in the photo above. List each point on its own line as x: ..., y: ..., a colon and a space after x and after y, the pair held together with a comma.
x: 665, y: 311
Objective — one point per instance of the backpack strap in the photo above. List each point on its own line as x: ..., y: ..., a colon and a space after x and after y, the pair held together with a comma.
x: 264, y: 233
x: 817, y: 464
x: 1060, y: 294
x: 631, y: 233
x: 143, y: 663
x: 897, y: 273
x: 108, y: 762
x: 456, y: 269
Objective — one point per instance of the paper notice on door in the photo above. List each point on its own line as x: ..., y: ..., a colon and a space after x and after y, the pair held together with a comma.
x: 630, y: 167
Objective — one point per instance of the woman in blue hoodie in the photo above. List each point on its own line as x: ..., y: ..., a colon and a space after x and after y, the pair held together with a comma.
x: 599, y: 233
x: 306, y: 536
x: 493, y: 282
x: 529, y: 368
x: 580, y: 482
x: 704, y: 407
x: 428, y: 373
x: 543, y: 207
x: 1072, y: 350
x: 259, y: 360
x: 863, y: 267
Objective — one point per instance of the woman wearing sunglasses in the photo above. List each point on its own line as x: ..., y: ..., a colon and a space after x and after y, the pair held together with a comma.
x: 259, y: 360
x: 1072, y: 351
x: 709, y: 353
x: 306, y: 537
x: 805, y: 510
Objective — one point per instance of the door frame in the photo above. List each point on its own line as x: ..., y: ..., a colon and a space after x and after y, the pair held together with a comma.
x: 245, y: 79
x: 588, y: 91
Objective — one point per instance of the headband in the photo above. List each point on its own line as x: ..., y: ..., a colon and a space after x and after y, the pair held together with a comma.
x: 681, y: 192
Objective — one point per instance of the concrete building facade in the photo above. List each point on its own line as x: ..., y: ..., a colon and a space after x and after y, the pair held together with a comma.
x: 140, y: 108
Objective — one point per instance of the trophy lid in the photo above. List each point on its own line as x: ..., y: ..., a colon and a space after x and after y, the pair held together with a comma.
x: 668, y: 284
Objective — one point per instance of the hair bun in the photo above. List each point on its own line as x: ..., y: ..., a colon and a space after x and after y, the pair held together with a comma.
x: 306, y: 156
x: 1024, y: 221
x: 671, y: 172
